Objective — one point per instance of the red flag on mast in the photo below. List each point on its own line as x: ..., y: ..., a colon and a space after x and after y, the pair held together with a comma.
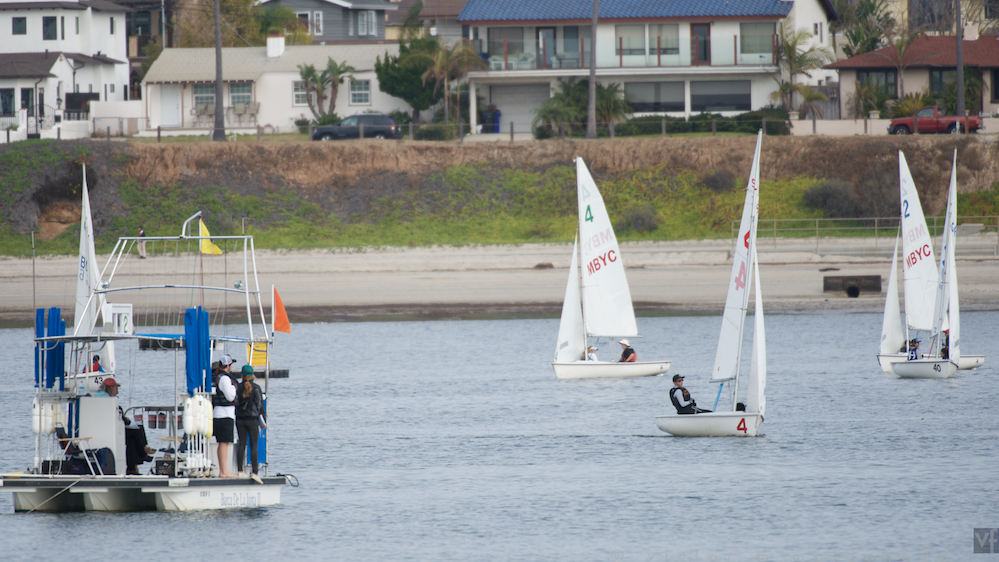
x: 279, y: 314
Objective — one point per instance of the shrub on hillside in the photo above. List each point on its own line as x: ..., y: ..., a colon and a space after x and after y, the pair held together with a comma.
x: 835, y: 198
x: 640, y: 219
x: 437, y: 132
x: 720, y: 181
x: 777, y: 124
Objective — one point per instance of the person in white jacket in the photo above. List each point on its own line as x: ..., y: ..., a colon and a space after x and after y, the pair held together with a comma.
x: 224, y: 413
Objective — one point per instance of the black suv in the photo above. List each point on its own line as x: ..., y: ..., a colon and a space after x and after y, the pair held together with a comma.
x: 376, y: 126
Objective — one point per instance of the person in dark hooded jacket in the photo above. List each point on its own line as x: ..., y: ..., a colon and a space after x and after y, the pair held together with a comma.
x: 249, y: 418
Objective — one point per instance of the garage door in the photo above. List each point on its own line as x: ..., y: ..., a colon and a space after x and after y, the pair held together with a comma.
x: 517, y: 104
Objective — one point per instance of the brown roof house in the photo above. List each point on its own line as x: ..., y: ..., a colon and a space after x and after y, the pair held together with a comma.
x: 930, y: 64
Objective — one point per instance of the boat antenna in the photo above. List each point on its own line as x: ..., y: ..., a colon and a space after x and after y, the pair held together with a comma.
x: 183, y: 229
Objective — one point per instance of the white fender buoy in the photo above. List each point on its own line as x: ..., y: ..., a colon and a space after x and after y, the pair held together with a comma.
x: 190, y: 422
x: 209, y: 426
x: 36, y: 416
x: 48, y: 426
x: 58, y: 416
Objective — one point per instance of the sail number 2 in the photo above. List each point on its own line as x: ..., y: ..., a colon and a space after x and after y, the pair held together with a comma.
x: 742, y: 426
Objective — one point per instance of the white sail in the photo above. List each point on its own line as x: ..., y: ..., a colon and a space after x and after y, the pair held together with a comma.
x: 892, y: 337
x: 954, y: 314
x: 755, y: 399
x: 571, y: 339
x: 85, y: 316
x: 605, y: 294
x: 734, y: 317
x: 918, y: 263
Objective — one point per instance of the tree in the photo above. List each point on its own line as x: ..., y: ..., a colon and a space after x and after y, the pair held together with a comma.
x: 809, y: 102
x: 611, y: 106
x: 564, y: 109
x: 866, y: 22
x: 315, y: 88
x: 283, y: 20
x: 239, y: 28
x: 591, y: 106
x: 336, y: 75
x: 796, y: 55
x: 405, y: 81
x: 449, y: 63
x: 900, y: 42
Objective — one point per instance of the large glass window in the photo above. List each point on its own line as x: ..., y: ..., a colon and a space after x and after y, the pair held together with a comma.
x: 50, y: 28
x: 757, y: 38
x: 932, y: 15
x: 629, y: 39
x: 654, y: 96
x: 301, y: 93
x: 360, y: 92
x: 19, y: 26
x: 513, y: 36
x: 204, y: 93
x: 28, y: 100
x: 729, y: 95
x: 940, y: 78
x: 364, y: 21
x: 7, y: 101
x: 240, y: 92
x: 138, y: 23
x: 883, y: 78
x: 666, y: 38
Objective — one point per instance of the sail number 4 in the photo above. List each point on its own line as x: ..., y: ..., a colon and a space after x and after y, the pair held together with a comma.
x: 742, y: 425
x: 740, y: 279
x: 588, y: 217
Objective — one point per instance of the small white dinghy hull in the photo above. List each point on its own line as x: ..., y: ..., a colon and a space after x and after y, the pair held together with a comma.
x: 924, y: 369
x: 609, y: 370
x: 965, y: 363
x: 713, y: 424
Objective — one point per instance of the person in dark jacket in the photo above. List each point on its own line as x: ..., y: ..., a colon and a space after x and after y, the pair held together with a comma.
x: 681, y: 399
x: 628, y: 354
x: 249, y: 418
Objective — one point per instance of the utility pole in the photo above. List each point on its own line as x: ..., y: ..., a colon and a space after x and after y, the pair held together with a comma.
x: 960, y: 62
x: 591, y: 106
x: 219, y: 132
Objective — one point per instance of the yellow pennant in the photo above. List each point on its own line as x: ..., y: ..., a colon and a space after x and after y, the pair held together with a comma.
x: 207, y: 246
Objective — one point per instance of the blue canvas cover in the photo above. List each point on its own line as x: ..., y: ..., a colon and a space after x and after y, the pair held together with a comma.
x: 198, y: 364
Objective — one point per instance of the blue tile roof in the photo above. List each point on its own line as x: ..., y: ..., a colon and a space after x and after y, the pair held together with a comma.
x: 554, y: 10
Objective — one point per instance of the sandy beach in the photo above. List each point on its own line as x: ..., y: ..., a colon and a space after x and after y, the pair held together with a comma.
x: 529, y: 280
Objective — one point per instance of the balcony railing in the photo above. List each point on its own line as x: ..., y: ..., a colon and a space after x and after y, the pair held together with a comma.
x: 625, y: 52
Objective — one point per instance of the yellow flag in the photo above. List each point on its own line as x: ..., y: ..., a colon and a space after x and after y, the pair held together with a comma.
x: 207, y: 246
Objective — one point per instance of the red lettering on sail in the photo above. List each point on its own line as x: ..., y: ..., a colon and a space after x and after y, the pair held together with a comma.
x: 598, y: 262
x: 745, y: 239
x: 603, y: 258
x: 612, y: 256
x: 914, y: 257
x: 740, y: 279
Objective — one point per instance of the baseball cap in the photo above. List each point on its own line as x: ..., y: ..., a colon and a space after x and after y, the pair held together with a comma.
x: 226, y: 360
x: 110, y: 382
x: 677, y: 378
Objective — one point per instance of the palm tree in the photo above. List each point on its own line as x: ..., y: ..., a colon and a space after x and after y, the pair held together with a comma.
x: 611, y: 106
x: 564, y: 109
x: 448, y: 64
x: 315, y: 88
x: 796, y: 55
x: 809, y: 102
x: 336, y: 74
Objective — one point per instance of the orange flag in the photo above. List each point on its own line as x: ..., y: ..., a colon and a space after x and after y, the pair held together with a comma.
x: 279, y: 314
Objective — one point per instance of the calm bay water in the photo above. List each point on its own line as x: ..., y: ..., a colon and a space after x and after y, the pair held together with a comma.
x: 453, y: 440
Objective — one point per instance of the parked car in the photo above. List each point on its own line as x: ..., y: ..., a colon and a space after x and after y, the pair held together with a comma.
x: 931, y: 120
x: 375, y: 125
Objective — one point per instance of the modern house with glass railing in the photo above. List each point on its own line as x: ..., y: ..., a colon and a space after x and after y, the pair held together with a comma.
x: 677, y: 58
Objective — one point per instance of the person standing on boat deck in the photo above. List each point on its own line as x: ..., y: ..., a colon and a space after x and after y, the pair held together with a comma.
x: 913, y: 349
x: 628, y: 354
x: 95, y: 365
x: 681, y: 399
x: 945, y: 347
x: 142, y: 243
x: 224, y: 414
x: 591, y: 354
x: 249, y: 417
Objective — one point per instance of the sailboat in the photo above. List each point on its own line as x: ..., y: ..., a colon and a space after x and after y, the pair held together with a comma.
x: 936, y: 364
x: 597, y: 299
x: 729, y: 354
x: 919, y: 281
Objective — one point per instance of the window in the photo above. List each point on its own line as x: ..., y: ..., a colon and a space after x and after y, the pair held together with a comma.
x: 365, y: 22
x: 995, y: 85
x: 883, y: 78
x: 303, y: 20
x: 300, y: 93
x: 666, y: 38
x: 934, y: 15
x: 77, y: 25
x: 28, y: 100
x: 757, y: 38
x: 49, y: 28
x: 204, y: 93
x: 241, y: 92
x: 629, y: 39
x: 19, y: 26
x: 62, y: 27
x: 360, y: 92
x: 317, y: 23
x: 992, y: 12
x: 112, y: 88
x: 654, y: 96
x: 139, y: 23
x: 112, y: 26
x: 7, y: 101
x: 76, y: 88
x: 940, y: 78
x: 729, y: 95
x: 925, y: 112
x: 510, y: 37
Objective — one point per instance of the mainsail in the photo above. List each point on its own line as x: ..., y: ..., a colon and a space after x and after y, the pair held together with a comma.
x: 605, y: 295
x: 87, y: 308
x: 919, y: 269
x: 571, y: 342
x: 892, y: 337
x: 949, y: 272
x: 734, y: 317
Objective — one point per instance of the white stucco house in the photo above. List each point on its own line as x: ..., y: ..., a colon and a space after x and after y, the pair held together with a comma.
x: 55, y: 57
x: 262, y: 85
x: 674, y: 58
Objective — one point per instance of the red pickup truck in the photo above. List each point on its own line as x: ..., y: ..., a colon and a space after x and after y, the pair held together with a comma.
x: 930, y: 120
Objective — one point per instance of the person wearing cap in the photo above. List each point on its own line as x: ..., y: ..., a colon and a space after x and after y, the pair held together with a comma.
x: 913, y: 349
x: 591, y: 354
x: 108, y: 388
x: 628, y: 354
x: 95, y: 365
x: 250, y: 417
x: 224, y: 413
x: 681, y: 399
